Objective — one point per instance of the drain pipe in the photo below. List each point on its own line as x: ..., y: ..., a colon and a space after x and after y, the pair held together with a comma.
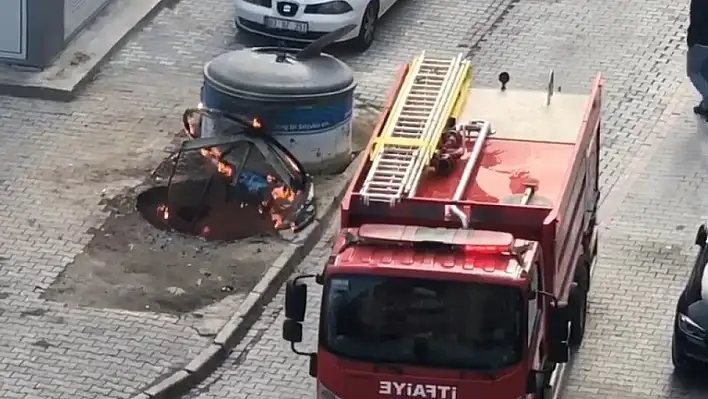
x: 467, y: 173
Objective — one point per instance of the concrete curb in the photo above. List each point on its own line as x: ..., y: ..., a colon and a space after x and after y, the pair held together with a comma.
x: 250, y: 309
x: 51, y: 84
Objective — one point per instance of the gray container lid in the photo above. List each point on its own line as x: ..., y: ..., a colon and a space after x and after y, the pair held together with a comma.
x: 270, y: 73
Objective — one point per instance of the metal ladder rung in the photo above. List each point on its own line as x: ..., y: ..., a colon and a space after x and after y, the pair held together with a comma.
x: 412, y: 133
x: 392, y: 167
x: 407, y: 133
x: 397, y: 159
x: 430, y: 75
x: 422, y: 103
x: 412, y: 119
x: 429, y: 60
x: 425, y: 89
x: 404, y: 141
x: 409, y: 127
x: 393, y: 173
x: 384, y: 189
x: 410, y: 108
x: 398, y: 150
x: 426, y: 97
x: 383, y: 185
x: 427, y: 86
x: 386, y: 183
x: 388, y: 178
x: 397, y: 163
x: 416, y: 112
x: 424, y: 94
x: 411, y: 122
x: 406, y: 137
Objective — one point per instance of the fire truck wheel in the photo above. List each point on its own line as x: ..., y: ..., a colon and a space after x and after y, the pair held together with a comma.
x: 582, y: 273
x: 578, y: 304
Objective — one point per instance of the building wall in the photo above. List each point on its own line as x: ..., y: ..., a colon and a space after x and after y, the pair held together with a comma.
x: 79, y: 12
x: 13, y: 33
x: 34, y: 32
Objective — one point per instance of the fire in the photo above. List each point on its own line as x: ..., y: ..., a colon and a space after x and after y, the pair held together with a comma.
x: 284, y: 193
x: 281, y: 199
x: 256, y: 123
x: 281, y: 196
x: 213, y: 154
x: 164, y: 211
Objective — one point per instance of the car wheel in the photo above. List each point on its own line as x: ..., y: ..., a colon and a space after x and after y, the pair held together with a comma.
x: 367, y: 30
x: 578, y: 302
x: 678, y: 358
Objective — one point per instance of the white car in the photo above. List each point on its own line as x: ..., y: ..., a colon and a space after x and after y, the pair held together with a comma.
x: 307, y: 20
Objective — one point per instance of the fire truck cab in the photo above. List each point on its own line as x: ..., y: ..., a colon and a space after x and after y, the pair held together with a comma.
x: 462, y: 266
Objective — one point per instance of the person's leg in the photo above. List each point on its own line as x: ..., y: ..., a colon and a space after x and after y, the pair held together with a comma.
x: 696, y: 68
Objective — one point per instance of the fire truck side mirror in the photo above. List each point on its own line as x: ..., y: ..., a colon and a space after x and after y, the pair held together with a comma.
x: 701, y: 236
x: 295, y: 299
x: 531, y: 294
x: 558, y: 332
x: 292, y: 331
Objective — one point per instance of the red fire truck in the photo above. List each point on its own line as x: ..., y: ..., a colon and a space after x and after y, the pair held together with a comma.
x: 462, y: 267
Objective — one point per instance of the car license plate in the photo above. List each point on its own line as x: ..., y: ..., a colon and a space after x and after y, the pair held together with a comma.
x: 284, y: 24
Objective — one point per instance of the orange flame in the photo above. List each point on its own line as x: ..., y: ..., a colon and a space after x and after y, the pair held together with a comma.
x: 256, y: 123
x: 282, y: 198
x: 163, y: 211
x: 213, y: 154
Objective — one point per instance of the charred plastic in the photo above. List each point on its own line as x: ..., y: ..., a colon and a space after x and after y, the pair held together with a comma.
x: 236, y: 183
x: 306, y: 104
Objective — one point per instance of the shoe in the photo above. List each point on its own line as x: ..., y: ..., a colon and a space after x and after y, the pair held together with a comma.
x: 700, y: 110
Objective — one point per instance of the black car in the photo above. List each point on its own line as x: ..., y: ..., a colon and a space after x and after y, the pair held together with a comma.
x: 690, y: 340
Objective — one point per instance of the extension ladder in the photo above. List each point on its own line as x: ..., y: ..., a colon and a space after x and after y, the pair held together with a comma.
x: 432, y: 92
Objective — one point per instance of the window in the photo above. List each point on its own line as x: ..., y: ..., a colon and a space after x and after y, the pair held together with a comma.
x: 420, y: 321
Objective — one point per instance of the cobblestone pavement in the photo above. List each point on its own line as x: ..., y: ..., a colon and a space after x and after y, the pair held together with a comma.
x: 52, y: 351
x: 264, y: 367
x: 646, y: 256
x: 652, y: 182
x: 102, y: 141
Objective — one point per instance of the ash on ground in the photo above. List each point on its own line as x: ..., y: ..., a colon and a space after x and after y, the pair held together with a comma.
x: 131, y: 265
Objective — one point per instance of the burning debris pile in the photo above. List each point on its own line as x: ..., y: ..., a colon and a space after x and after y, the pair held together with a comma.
x: 250, y: 185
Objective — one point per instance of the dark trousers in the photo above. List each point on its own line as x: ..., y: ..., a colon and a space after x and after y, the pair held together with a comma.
x: 697, y: 70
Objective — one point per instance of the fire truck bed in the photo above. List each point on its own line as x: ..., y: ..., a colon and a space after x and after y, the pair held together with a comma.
x: 532, y: 142
x: 524, y: 115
